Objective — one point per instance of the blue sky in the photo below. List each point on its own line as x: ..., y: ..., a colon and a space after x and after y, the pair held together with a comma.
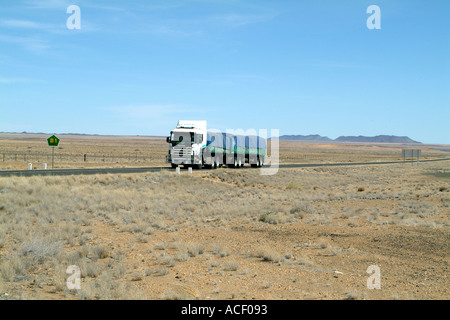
x: 300, y: 66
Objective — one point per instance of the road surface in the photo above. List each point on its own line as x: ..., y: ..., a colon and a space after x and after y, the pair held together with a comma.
x: 60, y: 172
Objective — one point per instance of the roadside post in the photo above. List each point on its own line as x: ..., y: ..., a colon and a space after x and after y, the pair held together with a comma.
x: 53, y: 142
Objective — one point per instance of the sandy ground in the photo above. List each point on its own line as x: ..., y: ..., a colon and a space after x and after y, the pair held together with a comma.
x: 310, y: 233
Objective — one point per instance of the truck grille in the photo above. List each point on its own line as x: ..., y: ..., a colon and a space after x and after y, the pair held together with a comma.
x: 181, y: 154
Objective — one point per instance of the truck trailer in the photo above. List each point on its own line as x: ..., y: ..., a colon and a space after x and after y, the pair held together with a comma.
x: 192, y: 145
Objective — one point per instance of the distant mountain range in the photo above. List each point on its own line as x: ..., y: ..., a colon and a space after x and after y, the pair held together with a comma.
x: 311, y: 137
x: 380, y: 138
x: 376, y: 139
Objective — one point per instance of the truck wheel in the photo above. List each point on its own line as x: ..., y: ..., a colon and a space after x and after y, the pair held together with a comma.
x: 174, y: 165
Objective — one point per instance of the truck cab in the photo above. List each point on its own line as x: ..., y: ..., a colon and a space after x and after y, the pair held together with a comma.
x: 191, y: 144
x: 186, y: 143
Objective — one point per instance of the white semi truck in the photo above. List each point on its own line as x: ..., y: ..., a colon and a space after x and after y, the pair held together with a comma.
x: 191, y: 144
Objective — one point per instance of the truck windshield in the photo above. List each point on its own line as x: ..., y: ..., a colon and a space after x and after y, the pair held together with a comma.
x: 183, y: 138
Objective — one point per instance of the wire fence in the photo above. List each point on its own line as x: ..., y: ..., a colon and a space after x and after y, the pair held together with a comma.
x: 85, y: 157
x: 102, y: 157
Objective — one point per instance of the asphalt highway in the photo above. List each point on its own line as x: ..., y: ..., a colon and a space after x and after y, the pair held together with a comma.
x: 60, y: 172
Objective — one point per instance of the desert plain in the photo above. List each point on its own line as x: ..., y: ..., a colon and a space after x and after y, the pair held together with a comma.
x: 302, y: 233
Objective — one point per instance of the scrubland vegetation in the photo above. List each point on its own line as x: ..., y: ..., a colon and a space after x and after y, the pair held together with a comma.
x: 91, y: 151
x: 304, y: 233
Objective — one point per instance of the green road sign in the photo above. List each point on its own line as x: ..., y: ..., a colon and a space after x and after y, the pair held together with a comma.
x: 53, y: 141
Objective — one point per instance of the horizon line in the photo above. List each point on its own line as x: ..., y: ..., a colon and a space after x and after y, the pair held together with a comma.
x: 163, y: 136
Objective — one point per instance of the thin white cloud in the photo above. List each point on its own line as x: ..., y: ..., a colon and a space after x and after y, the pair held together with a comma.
x: 236, y: 20
x: 201, y: 25
x: 143, y: 112
x: 335, y: 64
x: 140, y: 112
x: 13, y: 80
x: 166, y: 30
x: 48, y: 4
x: 249, y: 77
x: 228, y: 80
x: 13, y: 23
x: 33, y: 44
x: 32, y: 25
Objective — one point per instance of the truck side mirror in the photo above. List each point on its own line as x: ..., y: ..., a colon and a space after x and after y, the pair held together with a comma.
x: 168, y: 139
